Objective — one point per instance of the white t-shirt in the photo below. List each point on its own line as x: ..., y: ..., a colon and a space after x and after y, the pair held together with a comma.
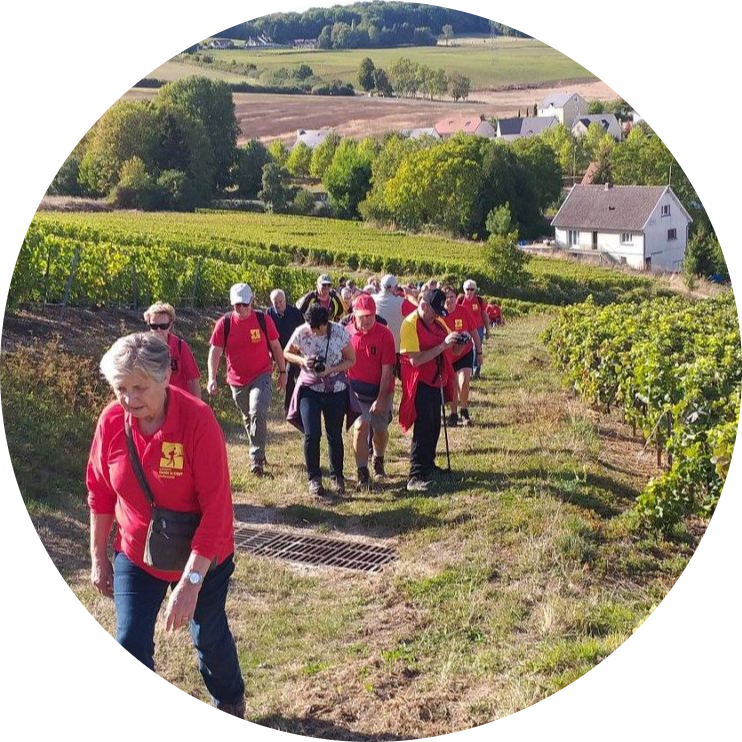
x: 317, y: 345
x: 389, y: 306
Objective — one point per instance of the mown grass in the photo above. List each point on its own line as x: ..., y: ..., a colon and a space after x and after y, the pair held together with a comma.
x: 514, y: 577
x: 509, y: 61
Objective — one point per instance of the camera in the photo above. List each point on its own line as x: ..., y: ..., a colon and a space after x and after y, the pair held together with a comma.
x: 463, y: 339
x: 316, y: 364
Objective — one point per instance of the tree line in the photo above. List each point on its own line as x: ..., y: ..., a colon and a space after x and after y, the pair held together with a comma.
x: 366, y: 25
x: 406, y: 79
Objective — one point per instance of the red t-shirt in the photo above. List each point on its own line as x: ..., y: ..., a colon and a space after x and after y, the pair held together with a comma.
x: 374, y: 349
x: 248, y: 355
x: 183, y: 365
x: 493, y: 312
x: 415, y: 336
x: 185, y: 464
x: 476, y: 306
x: 408, y: 307
x: 460, y: 320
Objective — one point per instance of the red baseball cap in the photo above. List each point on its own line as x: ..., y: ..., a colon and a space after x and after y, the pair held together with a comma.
x: 364, y: 304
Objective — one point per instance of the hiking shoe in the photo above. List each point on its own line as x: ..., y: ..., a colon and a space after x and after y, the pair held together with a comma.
x: 364, y: 479
x: 316, y: 488
x: 234, y: 709
x: 339, y: 486
x: 417, y: 485
x: 465, y: 419
x: 452, y: 420
x: 378, y: 464
x: 257, y: 467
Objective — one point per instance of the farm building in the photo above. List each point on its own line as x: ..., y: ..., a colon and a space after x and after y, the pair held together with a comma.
x: 221, y: 44
x: 477, y: 125
x: 607, y: 121
x: 311, y: 137
x: 645, y: 227
x: 567, y: 107
x: 509, y: 130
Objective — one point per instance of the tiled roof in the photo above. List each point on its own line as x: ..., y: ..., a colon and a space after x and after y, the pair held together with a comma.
x: 617, y: 208
x: 467, y: 124
x: 526, y: 126
x: 557, y: 100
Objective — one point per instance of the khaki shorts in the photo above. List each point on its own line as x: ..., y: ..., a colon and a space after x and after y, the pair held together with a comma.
x: 379, y: 420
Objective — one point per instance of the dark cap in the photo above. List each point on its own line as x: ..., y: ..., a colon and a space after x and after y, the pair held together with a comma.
x: 437, y: 300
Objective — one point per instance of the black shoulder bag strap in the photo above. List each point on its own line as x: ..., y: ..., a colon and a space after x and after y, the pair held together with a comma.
x: 227, y: 323
x: 137, y: 464
x: 263, y: 327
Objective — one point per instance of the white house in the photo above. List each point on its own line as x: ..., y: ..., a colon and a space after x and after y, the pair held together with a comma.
x: 645, y: 227
x: 311, y: 137
x: 509, y: 130
x: 419, y: 133
x: 567, y: 107
x: 221, y: 44
x: 607, y: 121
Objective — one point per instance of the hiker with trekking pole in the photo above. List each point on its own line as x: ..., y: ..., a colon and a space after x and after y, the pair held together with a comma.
x: 427, y: 383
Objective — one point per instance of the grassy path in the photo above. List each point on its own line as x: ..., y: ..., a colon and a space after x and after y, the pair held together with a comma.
x: 514, y: 578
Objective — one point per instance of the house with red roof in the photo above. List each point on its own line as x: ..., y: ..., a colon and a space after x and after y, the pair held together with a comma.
x: 477, y: 125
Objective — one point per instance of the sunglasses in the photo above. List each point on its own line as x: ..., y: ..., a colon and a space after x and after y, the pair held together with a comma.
x: 160, y: 326
x: 469, y: 289
x: 241, y: 304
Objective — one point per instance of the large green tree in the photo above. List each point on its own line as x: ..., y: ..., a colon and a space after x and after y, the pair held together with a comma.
x: 211, y: 103
x: 299, y: 160
x: 322, y: 155
x: 248, y: 172
x: 348, y: 178
x: 366, y: 74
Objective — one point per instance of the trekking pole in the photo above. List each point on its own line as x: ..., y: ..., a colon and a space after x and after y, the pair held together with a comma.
x: 445, y: 431
x: 443, y: 413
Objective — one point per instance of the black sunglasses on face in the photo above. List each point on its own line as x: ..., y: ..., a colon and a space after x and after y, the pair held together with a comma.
x: 241, y: 304
x: 161, y: 326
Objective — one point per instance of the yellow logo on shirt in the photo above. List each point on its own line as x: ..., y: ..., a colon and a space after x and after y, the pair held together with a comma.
x: 255, y: 335
x: 458, y: 324
x: 172, y: 460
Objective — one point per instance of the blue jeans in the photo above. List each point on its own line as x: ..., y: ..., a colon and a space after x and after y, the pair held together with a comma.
x: 138, y: 597
x: 312, y: 406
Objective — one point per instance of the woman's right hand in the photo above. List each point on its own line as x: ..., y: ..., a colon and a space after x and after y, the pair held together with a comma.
x: 101, y: 575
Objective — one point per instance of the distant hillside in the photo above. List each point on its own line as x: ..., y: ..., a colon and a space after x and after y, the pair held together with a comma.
x: 367, y: 25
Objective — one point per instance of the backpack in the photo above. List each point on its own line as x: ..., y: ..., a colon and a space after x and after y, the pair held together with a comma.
x: 261, y: 321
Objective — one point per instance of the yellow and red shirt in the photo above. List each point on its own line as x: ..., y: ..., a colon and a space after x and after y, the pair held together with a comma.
x: 476, y: 306
x: 247, y: 351
x: 185, y: 464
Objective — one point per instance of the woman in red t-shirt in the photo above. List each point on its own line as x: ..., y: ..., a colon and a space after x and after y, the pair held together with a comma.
x: 160, y: 318
x: 177, y: 443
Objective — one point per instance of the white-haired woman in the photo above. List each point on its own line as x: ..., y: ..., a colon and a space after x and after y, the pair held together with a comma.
x: 158, y: 458
x: 160, y: 318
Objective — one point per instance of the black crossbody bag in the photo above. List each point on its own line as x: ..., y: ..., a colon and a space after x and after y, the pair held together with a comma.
x: 170, y: 532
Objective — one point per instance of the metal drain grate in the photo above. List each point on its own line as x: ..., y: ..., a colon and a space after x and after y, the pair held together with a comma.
x: 316, y: 550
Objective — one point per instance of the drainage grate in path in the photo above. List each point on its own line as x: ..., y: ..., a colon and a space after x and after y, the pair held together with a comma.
x: 330, y: 552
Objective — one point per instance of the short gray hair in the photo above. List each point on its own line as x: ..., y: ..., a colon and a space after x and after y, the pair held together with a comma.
x: 277, y: 292
x: 141, y: 351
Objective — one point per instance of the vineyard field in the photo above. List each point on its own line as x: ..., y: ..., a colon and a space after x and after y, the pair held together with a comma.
x: 127, y: 256
x: 674, y: 369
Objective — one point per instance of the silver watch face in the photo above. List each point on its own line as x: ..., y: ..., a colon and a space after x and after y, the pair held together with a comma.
x: 194, y: 578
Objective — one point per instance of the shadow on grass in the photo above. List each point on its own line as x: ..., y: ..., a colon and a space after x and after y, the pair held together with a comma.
x: 385, y: 523
x: 310, y: 726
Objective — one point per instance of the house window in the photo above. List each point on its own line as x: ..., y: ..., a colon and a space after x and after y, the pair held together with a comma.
x: 665, y: 210
x: 623, y: 260
x: 672, y: 234
x: 626, y: 238
x: 574, y: 237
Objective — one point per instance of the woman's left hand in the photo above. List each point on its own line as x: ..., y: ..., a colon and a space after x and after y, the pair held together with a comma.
x: 181, y: 606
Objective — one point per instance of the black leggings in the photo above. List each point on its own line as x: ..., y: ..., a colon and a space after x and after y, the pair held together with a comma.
x: 312, y: 407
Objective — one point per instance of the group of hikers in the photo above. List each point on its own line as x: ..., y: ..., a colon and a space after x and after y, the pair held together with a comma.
x: 337, y: 353
x: 158, y: 466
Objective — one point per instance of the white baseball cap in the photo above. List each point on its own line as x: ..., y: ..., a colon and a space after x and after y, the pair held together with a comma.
x: 324, y: 280
x: 389, y: 281
x: 469, y: 284
x: 240, y: 293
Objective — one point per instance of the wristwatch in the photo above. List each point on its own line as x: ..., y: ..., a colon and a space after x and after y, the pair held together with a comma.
x: 194, y: 578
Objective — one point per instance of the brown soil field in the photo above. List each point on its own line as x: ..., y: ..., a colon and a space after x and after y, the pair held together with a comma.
x: 271, y: 116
